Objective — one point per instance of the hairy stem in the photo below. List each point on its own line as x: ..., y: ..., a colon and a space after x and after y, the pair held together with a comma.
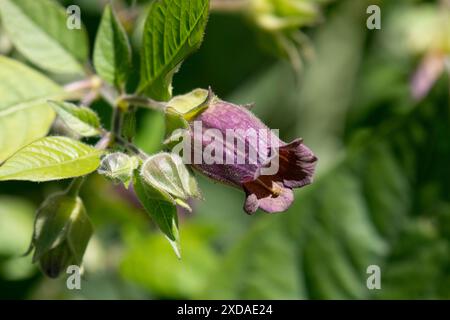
x: 81, y: 88
x: 117, y: 117
x: 145, y: 102
x: 229, y: 6
x: 131, y: 147
x: 75, y: 186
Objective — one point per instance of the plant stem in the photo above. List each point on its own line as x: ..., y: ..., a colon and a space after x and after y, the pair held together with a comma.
x: 117, y: 117
x: 229, y: 6
x: 108, y: 94
x: 80, y: 87
x: 104, y: 141
x: 75, y: 186
x: 145, y: 102
x: 131, y: 147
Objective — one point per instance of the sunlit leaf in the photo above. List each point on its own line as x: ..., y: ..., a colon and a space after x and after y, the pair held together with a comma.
x: 191, y: 104
x: 38, y: 29
x: 51, y: 158
x: 24, y: 113
x: 79, y: 119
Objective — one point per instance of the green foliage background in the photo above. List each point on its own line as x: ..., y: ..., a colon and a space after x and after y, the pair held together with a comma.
x: 381, y: 196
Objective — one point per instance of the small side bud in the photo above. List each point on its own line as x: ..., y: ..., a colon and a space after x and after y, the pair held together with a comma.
x: 119, y: 167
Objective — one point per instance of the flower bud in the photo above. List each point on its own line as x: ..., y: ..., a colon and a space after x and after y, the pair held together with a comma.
x: 61, y: 233
x: 118, y: 166
x: 166, y: 172
x: 276, y: 15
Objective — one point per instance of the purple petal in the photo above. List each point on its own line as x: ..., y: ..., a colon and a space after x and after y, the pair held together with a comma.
x: 297, y: 164
x: 269, y: 202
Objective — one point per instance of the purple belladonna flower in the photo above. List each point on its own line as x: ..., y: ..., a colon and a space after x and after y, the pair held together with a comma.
x: 270, y: 192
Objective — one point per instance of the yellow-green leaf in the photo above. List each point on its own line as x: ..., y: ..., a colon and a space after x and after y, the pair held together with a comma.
x: 51, y: 158
x: 79, y: 119
x: 39, y: 31
x: 24, y: 113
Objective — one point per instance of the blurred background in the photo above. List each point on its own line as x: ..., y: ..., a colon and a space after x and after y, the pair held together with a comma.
x: 372, y: 104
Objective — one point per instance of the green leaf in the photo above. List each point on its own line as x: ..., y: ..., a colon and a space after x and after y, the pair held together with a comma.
x: 81, y: 120
x: 24, y: 113
x: 51, y: 158
x: 173, y: 30
x: 167, y: 172
x: 112, y: 54
x: 161, y: 208
x: 38, y: 30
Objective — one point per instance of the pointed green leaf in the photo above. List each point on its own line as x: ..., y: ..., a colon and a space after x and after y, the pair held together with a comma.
x: 112, y: 54
x: 38, y: 30
x: 167, y: 172
x: 81, y: 120
x: 24, y: 113
x: 51, y: 158
x: 161, y: 208
x: 173, y: 29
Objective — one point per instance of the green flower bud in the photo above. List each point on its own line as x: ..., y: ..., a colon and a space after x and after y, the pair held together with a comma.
x: 118, y: 166
x: 56, y: 260
x: 275, y: 15
x: 61, y: 233
x: 167, y: 173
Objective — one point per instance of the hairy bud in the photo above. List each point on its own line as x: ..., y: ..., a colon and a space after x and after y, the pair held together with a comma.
x: 61, y: 233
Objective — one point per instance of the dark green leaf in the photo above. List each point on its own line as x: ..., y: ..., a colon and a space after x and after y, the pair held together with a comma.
x: 112, y: 53
x: 173, y: 30
x: 161, y: 208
